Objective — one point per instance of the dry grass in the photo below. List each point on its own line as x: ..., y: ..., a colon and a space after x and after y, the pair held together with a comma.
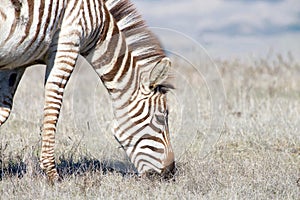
x: 257, y: 155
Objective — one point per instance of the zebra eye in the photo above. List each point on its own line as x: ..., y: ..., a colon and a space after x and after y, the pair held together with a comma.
x: 163, y: 89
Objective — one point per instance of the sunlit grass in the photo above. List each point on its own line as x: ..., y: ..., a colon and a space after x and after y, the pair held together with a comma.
x: 256, y: 157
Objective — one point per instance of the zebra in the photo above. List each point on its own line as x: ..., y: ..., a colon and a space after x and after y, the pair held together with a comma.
x: 127, y: 57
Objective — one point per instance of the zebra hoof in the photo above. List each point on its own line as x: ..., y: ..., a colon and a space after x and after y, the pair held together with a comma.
x: 54, y: 178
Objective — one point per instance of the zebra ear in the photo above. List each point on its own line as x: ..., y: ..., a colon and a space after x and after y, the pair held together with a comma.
x: 159, y: 73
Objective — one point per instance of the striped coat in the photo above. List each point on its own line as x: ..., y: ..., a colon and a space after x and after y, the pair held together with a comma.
x: 124, y: 53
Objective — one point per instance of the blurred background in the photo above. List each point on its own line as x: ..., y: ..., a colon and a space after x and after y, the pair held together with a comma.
x: 245, y: 29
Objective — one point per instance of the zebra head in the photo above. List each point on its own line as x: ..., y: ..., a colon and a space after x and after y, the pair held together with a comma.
x: 142, y: 121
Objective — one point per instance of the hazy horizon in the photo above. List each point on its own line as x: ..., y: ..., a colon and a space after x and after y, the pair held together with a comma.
x: 232, y: 28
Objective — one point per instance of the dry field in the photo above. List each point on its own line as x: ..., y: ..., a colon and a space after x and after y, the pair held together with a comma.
x: 255, y: 154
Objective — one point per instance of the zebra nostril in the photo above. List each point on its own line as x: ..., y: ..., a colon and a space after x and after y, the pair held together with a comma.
x: 169, y: 171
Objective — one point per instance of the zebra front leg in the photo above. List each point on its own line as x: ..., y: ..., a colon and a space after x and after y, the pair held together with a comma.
x: 59, y: 68
x: 9, y: 81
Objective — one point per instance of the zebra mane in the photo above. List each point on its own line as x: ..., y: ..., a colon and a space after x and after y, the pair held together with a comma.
x: 143, y: 44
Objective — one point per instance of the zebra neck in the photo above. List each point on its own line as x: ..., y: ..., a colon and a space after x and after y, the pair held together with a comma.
x: 143, y: 44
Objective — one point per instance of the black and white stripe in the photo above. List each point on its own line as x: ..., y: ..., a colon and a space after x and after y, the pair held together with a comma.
x: 124, y: 53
